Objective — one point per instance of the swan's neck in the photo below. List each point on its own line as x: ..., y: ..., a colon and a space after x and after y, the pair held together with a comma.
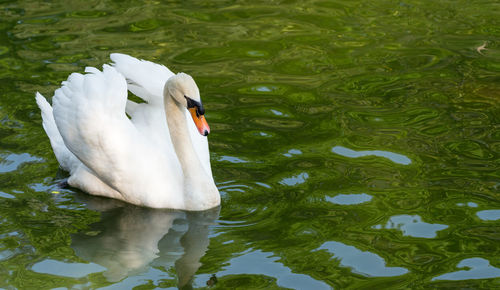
x: 200, y: 191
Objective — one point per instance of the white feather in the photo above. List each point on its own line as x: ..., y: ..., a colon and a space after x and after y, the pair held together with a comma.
x: 133, y: 159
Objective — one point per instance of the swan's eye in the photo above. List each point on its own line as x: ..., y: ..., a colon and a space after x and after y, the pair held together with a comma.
x: 200, y: 110
x: 195, y: 104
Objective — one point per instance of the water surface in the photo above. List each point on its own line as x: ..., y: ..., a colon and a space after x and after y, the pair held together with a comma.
x: 355, y: 145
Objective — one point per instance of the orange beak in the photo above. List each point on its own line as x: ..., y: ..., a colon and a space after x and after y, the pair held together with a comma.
x: 200, y: 122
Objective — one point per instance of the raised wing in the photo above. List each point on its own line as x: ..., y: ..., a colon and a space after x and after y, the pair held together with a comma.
x: 146, y: 79
x: 89, y: 111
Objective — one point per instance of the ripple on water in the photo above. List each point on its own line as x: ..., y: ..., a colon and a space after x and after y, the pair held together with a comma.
x: 350, y: 199
x: 258, y: 134
x: 292, y: 152
x: 6, y: 195
x: 3, y: 49
x: 10, y: 162
x: 232, y: 159
x: 476, y: 268
x: 412, y: 225
x: 73, y: 270
x: 232, y: 186
x: 280, y: 92
x: 265, y: 111
x: 234, y: 50
x: 278, y: 124
x: 468, y: 204
x: 7, y: 254
x: 469, y: 149
x: 295, y: 180
x: 489, y: 215
x: 361, y: 262
x: 431, y: 58
x: 261, y: 263
x: 264, y: 89
x: 434, y: 129
x: 394, y: 157
x: 87, y: 14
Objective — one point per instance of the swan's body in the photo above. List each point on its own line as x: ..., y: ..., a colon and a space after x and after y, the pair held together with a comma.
x: 155, y: 158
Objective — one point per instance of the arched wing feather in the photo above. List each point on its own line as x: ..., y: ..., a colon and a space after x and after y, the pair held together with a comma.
x: 89, y: 111
x: 146, y: 79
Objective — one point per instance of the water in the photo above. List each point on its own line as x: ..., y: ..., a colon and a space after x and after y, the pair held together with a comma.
x: 355, y: 145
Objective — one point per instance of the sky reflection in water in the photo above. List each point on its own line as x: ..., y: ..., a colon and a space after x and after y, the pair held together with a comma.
x: 352, y: 141
x: 262, y: 263
x: 412, y: 225
x: 349, y: 199
x: 74, y: 270
x: 394, y: 157
x: 475, y: 268
x: 361, y: 262
x: 489, y: 215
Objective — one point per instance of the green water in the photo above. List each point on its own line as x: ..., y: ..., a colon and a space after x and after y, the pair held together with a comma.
x: 355, y: 145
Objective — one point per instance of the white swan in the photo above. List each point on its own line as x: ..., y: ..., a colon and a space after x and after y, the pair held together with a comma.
x: 157, y: 157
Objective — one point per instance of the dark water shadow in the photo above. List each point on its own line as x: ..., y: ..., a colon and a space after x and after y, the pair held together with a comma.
x: 129, y: 240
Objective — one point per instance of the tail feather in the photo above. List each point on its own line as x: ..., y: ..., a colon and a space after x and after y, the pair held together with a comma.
x: 66, y: 159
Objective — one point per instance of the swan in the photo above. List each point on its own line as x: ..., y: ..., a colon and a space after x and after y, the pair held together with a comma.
x: 153, y: 154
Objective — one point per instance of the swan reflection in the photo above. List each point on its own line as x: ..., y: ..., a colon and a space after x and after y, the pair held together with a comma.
x: 129, y: 240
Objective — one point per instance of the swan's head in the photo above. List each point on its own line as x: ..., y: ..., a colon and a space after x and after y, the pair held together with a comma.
x: 182, y: 88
